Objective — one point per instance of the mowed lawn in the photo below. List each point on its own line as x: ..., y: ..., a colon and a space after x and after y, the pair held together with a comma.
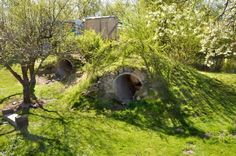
x: 60, y: 130
x: 9, y: 87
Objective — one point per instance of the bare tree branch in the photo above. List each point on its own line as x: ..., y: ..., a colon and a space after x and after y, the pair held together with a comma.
x: 17, y: 76
x: 225, y: 7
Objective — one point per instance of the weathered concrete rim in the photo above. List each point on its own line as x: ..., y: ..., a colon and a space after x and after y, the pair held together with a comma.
x: 65, y: 59
x: 127, y: 73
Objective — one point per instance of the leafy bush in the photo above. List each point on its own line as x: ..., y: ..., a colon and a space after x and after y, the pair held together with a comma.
x: 89, y: 43
x: 178, y: 30
x: 217, y: 45
x: 96, y: 51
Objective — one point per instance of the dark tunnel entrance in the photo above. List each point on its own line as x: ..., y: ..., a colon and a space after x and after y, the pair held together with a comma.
x: 65, y: 68
x: 125, y: 87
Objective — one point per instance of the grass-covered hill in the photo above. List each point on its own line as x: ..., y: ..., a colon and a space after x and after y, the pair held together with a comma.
x: 183, y: 112
x: 196, y: 117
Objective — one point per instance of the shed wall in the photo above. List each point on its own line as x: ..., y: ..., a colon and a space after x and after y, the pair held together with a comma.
x: 106, y: 26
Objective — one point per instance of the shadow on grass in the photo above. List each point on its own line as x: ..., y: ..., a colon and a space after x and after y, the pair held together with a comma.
x: 9, y: 132
x: 207, y: 94
x: 44, y: 143
x: 8, y: 97
x: 186, y: 94
x: 47, y: 143
x: 64, y: 134
x: 156, y: 116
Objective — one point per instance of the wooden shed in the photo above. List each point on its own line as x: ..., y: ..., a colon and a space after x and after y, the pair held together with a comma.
x: 106, y: 25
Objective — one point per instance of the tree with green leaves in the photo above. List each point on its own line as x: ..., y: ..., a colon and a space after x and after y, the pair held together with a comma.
x: 30, y: 31
x: 219, y: 43
x: 177, y: 26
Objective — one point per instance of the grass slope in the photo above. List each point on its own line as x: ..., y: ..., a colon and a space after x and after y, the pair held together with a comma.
x: 9, y: 87
x: 144, y: 128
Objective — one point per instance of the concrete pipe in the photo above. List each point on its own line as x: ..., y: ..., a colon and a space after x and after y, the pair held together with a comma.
x: 64, y: 68
x: 125, y: 86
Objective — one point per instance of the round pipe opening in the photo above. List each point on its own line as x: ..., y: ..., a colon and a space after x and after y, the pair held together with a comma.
x: 65, y: 68
x: 125, y: 87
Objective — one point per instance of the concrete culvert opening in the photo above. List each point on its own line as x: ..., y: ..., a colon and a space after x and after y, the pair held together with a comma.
x: 65, y: 68
x: 125, y: 87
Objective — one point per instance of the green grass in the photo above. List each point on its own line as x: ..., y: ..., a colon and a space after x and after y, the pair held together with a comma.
x: 91, y: 134
x: 144, y: 128
x: 226, y: 78
x: 9, y: 87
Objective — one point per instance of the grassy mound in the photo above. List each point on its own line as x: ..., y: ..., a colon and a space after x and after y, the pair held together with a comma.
x: 191, y: 112
x: 184, y: 100
x: 190, y: 98
x: 142, y: 128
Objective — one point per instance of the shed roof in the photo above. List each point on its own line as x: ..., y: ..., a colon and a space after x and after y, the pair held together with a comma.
x: 99, y: 17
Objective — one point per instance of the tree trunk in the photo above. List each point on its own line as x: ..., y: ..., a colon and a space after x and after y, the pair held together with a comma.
x: 28, y: 85
x: 32, y: 90
x: 32, y: 87
x: 26, y: 90
x: 26, y: 98
x: 26, y: 94
x: 32, y: 80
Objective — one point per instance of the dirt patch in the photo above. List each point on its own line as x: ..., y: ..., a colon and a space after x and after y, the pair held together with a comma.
x: 44, y: 80
x: 16, y: 105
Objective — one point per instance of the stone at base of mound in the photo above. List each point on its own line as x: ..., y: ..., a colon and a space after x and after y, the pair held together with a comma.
x: 11, y: 118
x: 18, y: 121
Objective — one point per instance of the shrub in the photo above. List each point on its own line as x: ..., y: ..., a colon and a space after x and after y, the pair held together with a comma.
x: 89, y: 43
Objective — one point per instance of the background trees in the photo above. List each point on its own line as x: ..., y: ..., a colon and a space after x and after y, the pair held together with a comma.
x: 175, y: 27
x: 219, y: 42
x: 197, y: 33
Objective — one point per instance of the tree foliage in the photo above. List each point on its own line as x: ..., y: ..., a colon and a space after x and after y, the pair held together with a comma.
x: 196, y: 32
x: 219, y: 40
x: 30, y: 31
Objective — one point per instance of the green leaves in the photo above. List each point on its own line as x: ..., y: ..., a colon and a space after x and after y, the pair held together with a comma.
x: 32, y: 29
